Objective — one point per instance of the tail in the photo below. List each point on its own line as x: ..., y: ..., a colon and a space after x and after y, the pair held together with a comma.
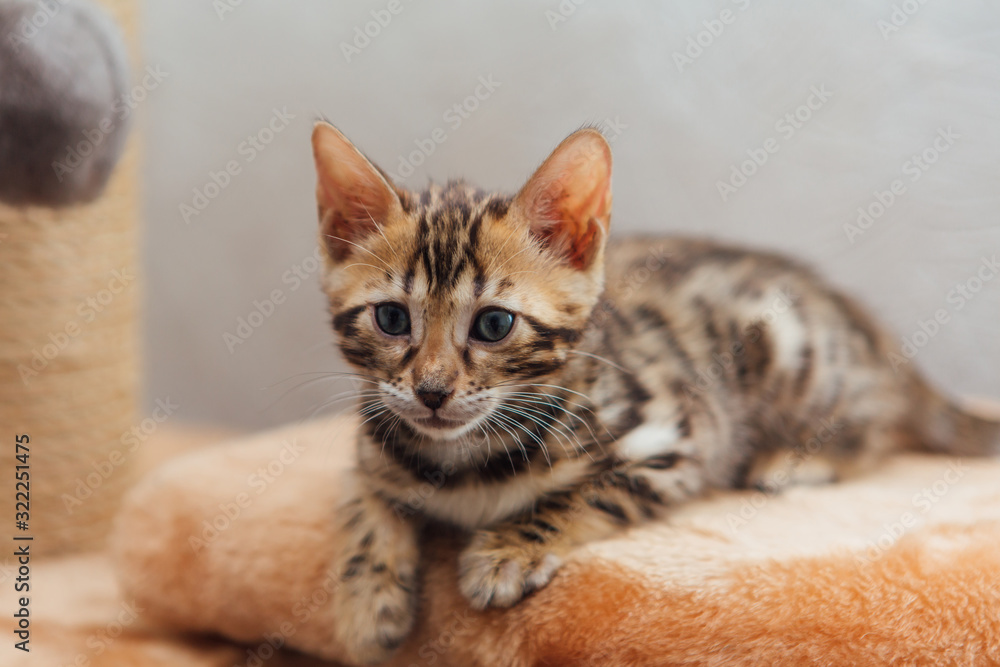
x: 945, y: 428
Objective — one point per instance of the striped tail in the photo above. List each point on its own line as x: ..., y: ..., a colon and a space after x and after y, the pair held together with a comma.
x: 948, y: 429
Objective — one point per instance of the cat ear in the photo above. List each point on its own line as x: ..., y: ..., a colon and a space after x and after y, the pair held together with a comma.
x: 354, y: 197
x: 567, y: 201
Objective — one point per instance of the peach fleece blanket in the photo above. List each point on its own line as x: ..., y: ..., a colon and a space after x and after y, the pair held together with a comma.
x: 901, y: 566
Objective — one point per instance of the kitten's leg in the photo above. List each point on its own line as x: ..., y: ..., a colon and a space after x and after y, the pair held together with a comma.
x: 774, y: 471
x: 376, y: 566
x: 839, y: 448
x: 507, y: 561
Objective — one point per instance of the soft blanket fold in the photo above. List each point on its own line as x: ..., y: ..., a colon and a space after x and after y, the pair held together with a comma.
x: 901, y: 566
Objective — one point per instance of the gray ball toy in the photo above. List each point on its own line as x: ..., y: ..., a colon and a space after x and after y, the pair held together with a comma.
x: 63, y: 81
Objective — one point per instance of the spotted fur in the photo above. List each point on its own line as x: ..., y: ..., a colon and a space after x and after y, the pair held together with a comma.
x: 637, y: 374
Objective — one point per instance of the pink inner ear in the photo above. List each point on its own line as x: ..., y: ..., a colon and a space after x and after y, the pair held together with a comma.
x: 570, y: 225
x: 353, y: 196
x: 568, y: 200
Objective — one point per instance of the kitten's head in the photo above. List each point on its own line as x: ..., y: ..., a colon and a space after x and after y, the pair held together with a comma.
x: 450, y: 298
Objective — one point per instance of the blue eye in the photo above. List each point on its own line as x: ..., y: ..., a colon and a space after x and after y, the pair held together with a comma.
x: 492, y: 325
x: 392, y: 318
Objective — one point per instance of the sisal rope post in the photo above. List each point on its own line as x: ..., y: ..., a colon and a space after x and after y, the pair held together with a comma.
x: 69, y: 367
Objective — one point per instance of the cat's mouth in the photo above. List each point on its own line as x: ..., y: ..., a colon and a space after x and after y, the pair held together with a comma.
x: 442, y: 428
x: 443, y: 422
x: 436, y: 422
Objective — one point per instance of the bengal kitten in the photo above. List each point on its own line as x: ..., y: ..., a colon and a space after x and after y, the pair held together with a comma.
x: 542, y: 388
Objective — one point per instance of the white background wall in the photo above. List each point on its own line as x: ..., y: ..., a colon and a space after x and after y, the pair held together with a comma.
x: 680, y: 129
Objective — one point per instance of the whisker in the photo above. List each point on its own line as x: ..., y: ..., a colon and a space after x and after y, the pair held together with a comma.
x: 551, y: 386
x: 488, y: 442
x: 524, y: 249
x: 547, y: 428
x: 486, y: 424
x: 326, y: 374
x: 556, y: 422
x: 575, y: 393
x: 499, y: 252
x: 361, y: 248
x: 392, y: 278
x: 393, y: 430
x: 328, y: 404
x: 467, y: 449
x: 513, y: 469
x: 514, y: 438
x: 526, y: 397
x: 393, y: 422
x: 377, y: 415
x: 530, y: 434
x: 348, y: 396
x: 554, y: 401
x: 517, y: 273
x: 379, y: 228
x: 600, y: 358
x: 301, y: 386
x: 522, y: 404
x: 565, y: 432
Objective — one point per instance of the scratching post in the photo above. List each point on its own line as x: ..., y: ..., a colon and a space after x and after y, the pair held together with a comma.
x: 69, y: 369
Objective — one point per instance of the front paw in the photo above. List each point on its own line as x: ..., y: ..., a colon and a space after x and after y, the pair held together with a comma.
x: 376, y: 609
x: 376, y: 569
x: 498, y: 568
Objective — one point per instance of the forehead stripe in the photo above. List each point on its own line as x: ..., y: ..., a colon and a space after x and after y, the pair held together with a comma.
x: 344, y: 321
x: 552, y: 333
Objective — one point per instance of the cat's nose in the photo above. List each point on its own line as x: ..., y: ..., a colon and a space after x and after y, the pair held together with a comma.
x: 433, y: 398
